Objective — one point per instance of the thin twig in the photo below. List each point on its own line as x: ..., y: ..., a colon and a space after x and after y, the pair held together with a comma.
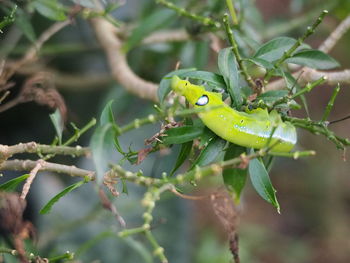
x: 30, y: 179
x: 310, y: 30
x: 339, y: 120
x: 207, y: 21
x: 331, y: 103
x: 238, y: 57
x: 189, y: 197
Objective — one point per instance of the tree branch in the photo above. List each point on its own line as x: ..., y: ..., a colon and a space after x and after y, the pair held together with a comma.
x: 32, y: 147
x: 28, y: 165
x: 106, y: 35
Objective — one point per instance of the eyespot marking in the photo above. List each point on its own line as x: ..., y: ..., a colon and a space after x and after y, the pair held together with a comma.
x: 241, y: 121
x: 203, y: 100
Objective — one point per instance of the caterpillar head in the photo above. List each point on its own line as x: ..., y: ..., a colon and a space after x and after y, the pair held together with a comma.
x: 196, y: 95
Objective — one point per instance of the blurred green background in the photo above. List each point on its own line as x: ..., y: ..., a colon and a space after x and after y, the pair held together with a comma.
x: 313, y: 193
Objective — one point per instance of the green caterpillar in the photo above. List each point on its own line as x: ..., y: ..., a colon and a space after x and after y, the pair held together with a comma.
x: 250, y: 129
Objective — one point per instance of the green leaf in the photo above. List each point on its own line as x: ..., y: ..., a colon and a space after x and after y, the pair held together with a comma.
x: 210, y: 153
x: 51, y: 9
x: 156, y: 20
x: 235, y: 178
x: 12, y: 184
x: 269, y: 97
x: 107, y: 116
x: 101, y: 142
x: 164, y: 85
x: 9, y: 19
x: 206, y: 137
x: 314, y: 59
x: 24, y: 24
x: 275, y: 48
x: 209, y: 77
x: 261, y: 62
x: 47, y: 208
x: 262, y: 183
x: 57, y: 122
x: 228, y: 69
x: 182, y: 134
x: 183, y: 154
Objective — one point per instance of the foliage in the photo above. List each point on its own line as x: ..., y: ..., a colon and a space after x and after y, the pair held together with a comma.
x: 247, y: 67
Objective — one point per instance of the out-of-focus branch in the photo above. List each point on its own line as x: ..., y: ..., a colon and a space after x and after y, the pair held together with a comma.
x: 28, y: 165
x: 167, y: 36
x: 310, y: 75
x: 68, y: 81
x: 31, y: 54
x: 106, y: 35
x: 333, y: 38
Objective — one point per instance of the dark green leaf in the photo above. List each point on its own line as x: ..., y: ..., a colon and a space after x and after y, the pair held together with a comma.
x: 51, y: 9
x: 313, y: 59
x: 12, y: 184
x: 262, y: 183
x: 57, y: 122
x: 47, y: 208
x: 261, y: 62
x: 182, y: 134
x: 101, y: 142
x: 235, y: 178
x: 107, y: 116
x: 156, y: 20
x: 228, y: 69
x: 25, y: 25
x: 271, y: 96
x: 275, y: 48
x: 184, y: 153
x: 210, y: 153
x: 206, y: 137
x: 164, y: 85
x: 9, y: 19
x: 209, y: 77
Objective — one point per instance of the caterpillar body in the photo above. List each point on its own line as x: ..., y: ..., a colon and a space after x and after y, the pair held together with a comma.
x: 255, y: 128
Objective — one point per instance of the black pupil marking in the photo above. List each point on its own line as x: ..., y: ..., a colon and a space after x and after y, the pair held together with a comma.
x: 203, y: 100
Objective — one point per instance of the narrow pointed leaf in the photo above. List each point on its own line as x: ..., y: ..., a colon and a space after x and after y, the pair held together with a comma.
x: 57, y: 122
x: 47, y: 208
x: 156, y: 20
x: 275, y: 48
x: 210, y: 153
x: 228, y: 69
x: 12, y: 184
x: 183, y: 155
x: 209, y: 77
x: 262, y: 183
x: 101, y: 142
x: 182, y: 134
x: 314, y: 59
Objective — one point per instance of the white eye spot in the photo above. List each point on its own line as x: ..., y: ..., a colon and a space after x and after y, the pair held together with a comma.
x: 203, y: 100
